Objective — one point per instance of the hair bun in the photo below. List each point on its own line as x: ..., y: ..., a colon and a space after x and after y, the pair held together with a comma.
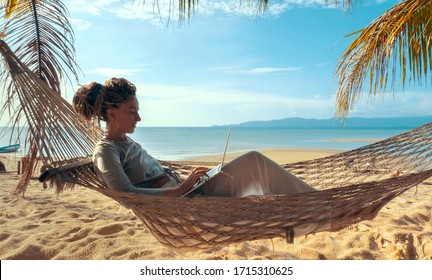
x: 86, y: 99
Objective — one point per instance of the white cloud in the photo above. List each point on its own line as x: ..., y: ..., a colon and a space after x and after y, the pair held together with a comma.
x: 267, y: 70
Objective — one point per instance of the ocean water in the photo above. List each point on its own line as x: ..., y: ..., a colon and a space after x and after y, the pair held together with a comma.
x: 182, y: 143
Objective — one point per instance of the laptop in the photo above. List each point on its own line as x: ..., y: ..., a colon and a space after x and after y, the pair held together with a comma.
x: 212, y: 172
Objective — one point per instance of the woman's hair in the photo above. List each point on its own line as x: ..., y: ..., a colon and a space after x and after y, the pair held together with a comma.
x: 93, y: 100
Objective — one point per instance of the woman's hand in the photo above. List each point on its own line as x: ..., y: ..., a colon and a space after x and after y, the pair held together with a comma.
x: 187, y: 184
x: 193, y: 178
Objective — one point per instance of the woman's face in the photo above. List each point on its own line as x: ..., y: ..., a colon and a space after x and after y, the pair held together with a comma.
x: 125, y: 117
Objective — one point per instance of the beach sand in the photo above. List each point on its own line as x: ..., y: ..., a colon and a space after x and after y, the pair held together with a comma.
x: 85, y: 225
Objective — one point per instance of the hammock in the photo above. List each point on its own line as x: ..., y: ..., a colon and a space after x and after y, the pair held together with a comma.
x: 353, y: 186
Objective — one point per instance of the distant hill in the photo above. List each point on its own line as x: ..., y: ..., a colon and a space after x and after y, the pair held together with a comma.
x: 355, y: 122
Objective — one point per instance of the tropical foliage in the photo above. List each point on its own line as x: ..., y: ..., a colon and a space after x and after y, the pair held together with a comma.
x: 395, y: 46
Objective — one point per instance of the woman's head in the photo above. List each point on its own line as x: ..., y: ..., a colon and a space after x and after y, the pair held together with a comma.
x: 92, y: 101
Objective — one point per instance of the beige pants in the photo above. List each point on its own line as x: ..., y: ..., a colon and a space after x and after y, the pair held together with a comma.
x: 252, y: 174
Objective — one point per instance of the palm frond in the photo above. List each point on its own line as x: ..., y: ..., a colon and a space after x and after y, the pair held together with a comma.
x: 397, y: 45
x: 42, y: 37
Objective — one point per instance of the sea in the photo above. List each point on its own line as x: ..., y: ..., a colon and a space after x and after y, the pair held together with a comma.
x: 185, y: 143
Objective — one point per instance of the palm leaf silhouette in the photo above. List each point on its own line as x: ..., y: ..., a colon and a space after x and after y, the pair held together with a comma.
x: 40, y: 34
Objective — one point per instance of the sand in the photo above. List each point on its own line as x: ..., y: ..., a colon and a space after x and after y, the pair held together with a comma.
x: 85, y: 225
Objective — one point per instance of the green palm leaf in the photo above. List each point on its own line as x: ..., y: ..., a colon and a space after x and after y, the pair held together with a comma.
x: 397, y: 44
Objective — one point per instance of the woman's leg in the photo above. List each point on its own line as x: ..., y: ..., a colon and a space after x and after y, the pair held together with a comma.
x: 253, y: 174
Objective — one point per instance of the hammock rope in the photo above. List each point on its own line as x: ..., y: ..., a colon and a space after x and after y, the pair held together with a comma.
x: 353, y: 185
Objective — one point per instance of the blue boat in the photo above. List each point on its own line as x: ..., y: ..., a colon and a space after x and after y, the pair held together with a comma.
x: 10, y: 148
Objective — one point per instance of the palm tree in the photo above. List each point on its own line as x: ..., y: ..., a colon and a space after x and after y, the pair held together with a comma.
x: 396, y: 45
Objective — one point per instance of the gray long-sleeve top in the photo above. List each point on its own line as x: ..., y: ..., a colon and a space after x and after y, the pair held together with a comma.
x: 126, y: 167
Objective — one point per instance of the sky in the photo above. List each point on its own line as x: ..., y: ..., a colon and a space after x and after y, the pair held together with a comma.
x: 228, y: 65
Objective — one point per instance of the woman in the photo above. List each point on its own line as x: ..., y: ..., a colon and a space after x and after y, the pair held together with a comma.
x: 125, y: 166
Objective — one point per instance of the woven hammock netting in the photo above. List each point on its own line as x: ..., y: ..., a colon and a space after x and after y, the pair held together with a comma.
x: 51, y: 120
x: 352, y: 186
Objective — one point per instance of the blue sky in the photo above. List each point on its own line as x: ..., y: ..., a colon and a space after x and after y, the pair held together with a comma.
x: 229, y: 65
